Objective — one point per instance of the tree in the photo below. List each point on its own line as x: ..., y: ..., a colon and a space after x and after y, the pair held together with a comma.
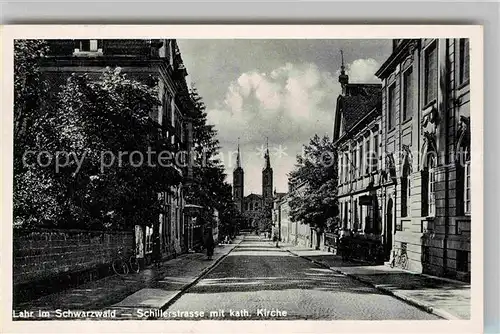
x: 209, y: 187
x: 313, y: 182
x: 96, y: 119
x: 264, y: 217
x: 36, y: 194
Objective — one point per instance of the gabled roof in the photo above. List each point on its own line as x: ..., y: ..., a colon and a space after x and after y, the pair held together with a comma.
x: 359, y: 101
x: 354, y: 108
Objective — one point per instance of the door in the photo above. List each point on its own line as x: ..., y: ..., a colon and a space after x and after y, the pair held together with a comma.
x: 388, y: 227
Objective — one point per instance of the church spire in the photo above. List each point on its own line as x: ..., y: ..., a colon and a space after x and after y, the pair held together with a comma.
x: 268, y: 162
x: 238, y: 161
x: 343, y: 78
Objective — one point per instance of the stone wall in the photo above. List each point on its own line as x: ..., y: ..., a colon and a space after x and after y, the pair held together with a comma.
x: 61, y: 257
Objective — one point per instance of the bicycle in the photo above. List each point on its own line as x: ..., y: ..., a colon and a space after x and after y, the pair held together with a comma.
x: 123, y: 266
x: 399, y: 259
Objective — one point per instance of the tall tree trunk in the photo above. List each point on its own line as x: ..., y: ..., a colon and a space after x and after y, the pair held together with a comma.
x: 318, y: 239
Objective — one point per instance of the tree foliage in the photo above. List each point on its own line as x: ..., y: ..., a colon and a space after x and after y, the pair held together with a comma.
x: 36, y: 194
x: 314, y: 180
x: 92, y: 121
x: 209, y: 187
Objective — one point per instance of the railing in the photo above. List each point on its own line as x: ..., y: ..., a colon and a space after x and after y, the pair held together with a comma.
x: 362, y: 249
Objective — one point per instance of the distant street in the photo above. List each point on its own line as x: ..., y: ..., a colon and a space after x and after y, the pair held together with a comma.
x: 258, y: 281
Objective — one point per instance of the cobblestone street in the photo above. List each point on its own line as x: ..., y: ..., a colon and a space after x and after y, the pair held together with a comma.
x: 257, y: 277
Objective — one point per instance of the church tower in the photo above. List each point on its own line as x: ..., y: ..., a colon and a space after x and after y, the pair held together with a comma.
x: 238, y: 182
x: 267, y: 179
x: 343, y: 78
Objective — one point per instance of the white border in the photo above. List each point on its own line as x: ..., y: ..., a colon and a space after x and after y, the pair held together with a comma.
x: 475, y: 33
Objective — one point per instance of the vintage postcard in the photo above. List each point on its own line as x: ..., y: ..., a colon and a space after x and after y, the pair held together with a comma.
x: 242, y: 178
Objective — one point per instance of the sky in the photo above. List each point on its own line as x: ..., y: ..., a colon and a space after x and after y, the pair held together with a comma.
x: 283, y: 91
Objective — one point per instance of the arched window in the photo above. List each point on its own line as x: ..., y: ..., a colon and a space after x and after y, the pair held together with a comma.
x: 405, y: 182
x: 429, y: 163
x: 462, y: 162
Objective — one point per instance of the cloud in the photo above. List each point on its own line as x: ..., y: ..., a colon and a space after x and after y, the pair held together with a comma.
x: 289, y: 105
x: 363, y: 70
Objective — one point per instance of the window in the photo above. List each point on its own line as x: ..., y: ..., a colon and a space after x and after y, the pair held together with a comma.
x: 346, y: 217
x: 467, y: 197
x: 340, y: 168
x: 464, y: 60
x: 355, y: 161
x: 404, y: 196
x: 367, y: 156
x: 375, y: 154
x: 177, y: 218
x: 356, y: 220
x: 87, y: 45
x: 93, y: 45
x: 431, y: 194
x: 391, y: 117
x: 347, y: 163
x: 407, y: 94
x: 149, y: 239
x: 361, y: 218
x: 361, y: 159
x: 430, y: 74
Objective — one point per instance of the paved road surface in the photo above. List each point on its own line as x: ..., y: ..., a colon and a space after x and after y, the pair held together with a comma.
x: 257, y: 277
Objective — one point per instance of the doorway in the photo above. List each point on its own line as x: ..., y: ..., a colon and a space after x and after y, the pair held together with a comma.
x: 388, y: 228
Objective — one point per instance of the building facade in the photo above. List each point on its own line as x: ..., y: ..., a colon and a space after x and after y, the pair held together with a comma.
x: 357, y: 136
x: 426, y: 141
x: 153, y: 62
x: 286, y: 229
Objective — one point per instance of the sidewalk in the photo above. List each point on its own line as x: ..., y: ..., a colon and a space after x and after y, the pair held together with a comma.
x: 152, y: 288
x: 446, y: 298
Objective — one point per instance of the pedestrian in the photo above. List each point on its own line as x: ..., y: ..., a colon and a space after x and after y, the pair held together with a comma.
x: 210, y: 245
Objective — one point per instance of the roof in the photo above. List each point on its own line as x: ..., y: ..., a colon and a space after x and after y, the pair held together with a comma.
x: 399, y: 52
x: 359, y: 101
x: 355, y: 107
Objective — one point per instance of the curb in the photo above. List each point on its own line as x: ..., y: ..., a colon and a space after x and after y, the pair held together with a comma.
x: 196, y: 280
x: 414, y: 302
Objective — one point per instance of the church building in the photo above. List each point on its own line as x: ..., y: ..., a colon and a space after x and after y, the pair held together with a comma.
x: 255, y: 208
